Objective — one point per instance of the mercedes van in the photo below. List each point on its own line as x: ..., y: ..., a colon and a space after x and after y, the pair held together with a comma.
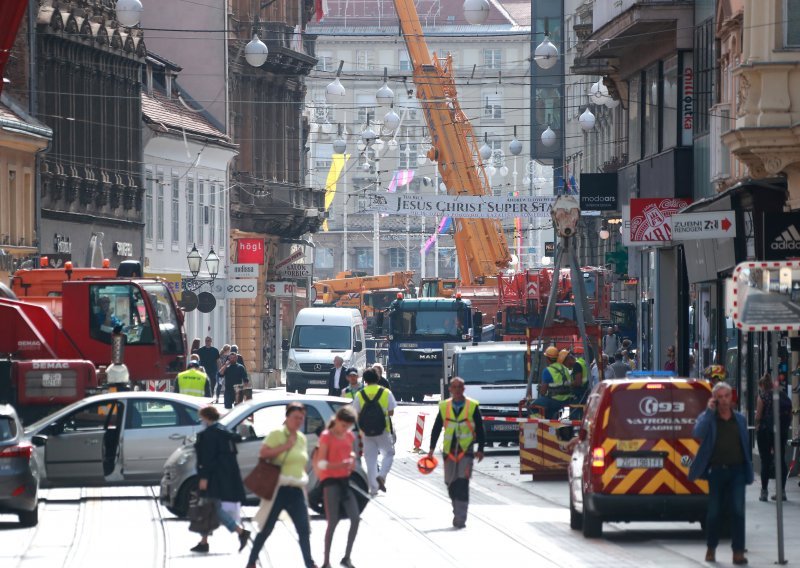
x: 319, y: 335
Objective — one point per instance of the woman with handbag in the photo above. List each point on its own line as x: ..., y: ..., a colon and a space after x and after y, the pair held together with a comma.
x: 287, y: 448
x: 218, y: 473
x: 334, y: 461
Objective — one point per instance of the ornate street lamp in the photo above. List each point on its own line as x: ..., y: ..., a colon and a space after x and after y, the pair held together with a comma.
x: 256, y: 52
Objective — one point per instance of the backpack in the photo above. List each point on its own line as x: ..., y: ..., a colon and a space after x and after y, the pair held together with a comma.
x: 372, y: 419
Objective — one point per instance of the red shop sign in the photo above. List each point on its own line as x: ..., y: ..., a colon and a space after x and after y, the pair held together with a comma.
x: 250, y: 251
x: 650, y: 218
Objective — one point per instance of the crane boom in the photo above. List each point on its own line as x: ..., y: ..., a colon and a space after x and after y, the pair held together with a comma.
x: 481, y: 246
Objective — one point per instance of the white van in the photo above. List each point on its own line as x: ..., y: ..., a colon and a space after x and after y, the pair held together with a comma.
x: 319, y: 335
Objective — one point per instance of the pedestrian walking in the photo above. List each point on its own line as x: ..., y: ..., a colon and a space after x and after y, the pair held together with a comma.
x: 235, y: 374
x: 610, y: 341
x: 375, y: 406
x: 193, y: 381
x: 208, y: 358
x: 334, y: 461
x: 460, y: 418
x: 336, y: 378
x: 220, y: 379
x: 354, y: 384
x: 195, y: 346
x: 382, y: 380
x: 765, y: 434
x: 287, y: 447
x: 724, y: 459
x: 619, y: 366
x: 218, y: 473
x: 239, y: 358
x: 608, y: 372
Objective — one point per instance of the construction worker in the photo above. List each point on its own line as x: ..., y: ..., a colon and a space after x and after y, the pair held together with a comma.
x: 555, y: 388
x: 354, y: 384
x: 460, y: 417
x: 716, y: 374
x: 580, y: 375
x: 193, y: 381
x: 375, y: 406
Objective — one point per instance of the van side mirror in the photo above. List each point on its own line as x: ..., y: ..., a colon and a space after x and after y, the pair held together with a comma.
x: 285, y: 345
x: 358, y: 347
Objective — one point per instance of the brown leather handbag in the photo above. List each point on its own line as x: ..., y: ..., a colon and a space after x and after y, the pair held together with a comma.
x: 263, y: 480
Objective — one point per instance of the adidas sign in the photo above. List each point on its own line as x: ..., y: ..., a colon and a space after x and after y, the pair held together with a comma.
x: 787, y: 240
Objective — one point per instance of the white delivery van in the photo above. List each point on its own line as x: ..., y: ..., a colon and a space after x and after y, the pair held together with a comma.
x: 494, y: 375
x: 319, y: 335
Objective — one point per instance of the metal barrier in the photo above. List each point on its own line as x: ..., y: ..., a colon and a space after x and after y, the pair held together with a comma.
x: 377, y: 351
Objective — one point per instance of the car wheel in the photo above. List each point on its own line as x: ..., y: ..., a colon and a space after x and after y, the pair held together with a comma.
x: 419, y: 398
x: 180, y: 508
x: 29, y: 518
x: 592, y: 525
x: 575, y: 518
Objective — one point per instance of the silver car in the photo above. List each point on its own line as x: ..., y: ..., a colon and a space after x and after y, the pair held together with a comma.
x: 19, y: 473
x: 120, y: 438
x: 253, y: 420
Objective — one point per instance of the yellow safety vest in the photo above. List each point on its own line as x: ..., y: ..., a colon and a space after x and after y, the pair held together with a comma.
x: 370, y: 391
x: 462, y: 426
x: 560, y: 388
x: 192, y: 382
x: 584, y: 370
x: 350, y: 392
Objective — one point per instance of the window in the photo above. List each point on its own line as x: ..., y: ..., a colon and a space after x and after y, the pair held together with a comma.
x: 160, y: 206
x: 669, y: 109
x: 323, y: 258
x: 153, y: 414
x: 791, y: 23
x: 323, y: 158
x: 222, y: 219
x: 201, y: 210
x: 493, y: 104
x: 704, y: 62
x: 119, y: 305
x: 212, y: 212
x: 408, y: 155
x: 321, y: 337
x: 257, y: 425
x: 650, y: 125
x: 364, y: 258
x: 492, y: 58
x: 8, y: 428
x: 325, y: 61
x: 366, y: 107
x: 175, y: 212
x: 405, y: 61
x: 169, y: 330
x: 634, y: 118
x: 364, y: 60
x: 189, y: 211
x: 397, y: 259
x: 148, y: 204
x: 90, y: 418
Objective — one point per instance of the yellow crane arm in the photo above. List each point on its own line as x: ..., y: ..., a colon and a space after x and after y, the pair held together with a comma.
x: 481, y: 246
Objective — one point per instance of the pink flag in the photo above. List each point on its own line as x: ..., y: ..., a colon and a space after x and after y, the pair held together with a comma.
x: 400, y: 178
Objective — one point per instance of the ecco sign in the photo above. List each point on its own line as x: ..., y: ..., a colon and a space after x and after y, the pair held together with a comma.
x: 245, y: 288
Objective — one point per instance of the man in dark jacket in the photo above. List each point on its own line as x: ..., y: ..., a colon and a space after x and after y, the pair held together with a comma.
x: 218, y: 473
x: 337, y: 378
x: 235, y: 374
x: 209, y: 355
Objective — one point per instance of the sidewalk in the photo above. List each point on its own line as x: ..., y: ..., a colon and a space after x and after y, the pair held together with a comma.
x: 761, y: 532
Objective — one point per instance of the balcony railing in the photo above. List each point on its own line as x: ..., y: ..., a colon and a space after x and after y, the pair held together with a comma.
x: 606, y: 10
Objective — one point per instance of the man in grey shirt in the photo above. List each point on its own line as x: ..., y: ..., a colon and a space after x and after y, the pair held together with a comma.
x: 619, y: 366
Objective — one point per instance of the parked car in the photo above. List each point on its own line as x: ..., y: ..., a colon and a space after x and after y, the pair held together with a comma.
x: 253, y: 420
x: 120, y: 438
x: 19, y: 472
x: 635, y: 447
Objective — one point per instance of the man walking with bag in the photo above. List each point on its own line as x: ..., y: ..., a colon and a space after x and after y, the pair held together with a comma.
x: 375, y: 405
x: 460, y: 418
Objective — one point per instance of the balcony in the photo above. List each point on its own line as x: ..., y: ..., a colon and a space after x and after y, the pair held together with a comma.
x: 276, y: 208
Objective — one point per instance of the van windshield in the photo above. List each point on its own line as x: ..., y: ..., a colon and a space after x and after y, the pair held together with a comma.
x: 652, y: 413
x: 491, y: 368
x: 321, y: 337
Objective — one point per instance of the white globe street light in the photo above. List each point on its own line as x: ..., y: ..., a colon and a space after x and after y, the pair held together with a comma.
x: 598, y: 93
x: 368, y: 135
x: 256, y: 52
x: 421, y: 159
x: 334, y: 92
x: 587, y: 120
x: 515, y: 147
x: 385, y: 95
x: 476, y: 11
x: 546, y: 260
x: 503, y: 171
x: 129, y: 12
x: 391, y: 121
x: 339, y: 146
x: 485, y: 151
x: 546, y: 53
x: 604, y: 234
x: 548, y: 137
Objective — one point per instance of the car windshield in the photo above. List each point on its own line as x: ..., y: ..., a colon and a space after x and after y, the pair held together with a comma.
x: 433, y: 323
x: 8, y: 428
x: 492, y: 368
x: 653, y: 413
x: 321, y: 337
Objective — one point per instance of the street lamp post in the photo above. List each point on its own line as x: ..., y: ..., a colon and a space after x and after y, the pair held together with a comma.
x: 194, y: 260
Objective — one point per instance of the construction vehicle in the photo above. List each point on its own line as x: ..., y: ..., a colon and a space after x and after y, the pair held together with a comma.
x: 367, y: 294
x: 58, y: 329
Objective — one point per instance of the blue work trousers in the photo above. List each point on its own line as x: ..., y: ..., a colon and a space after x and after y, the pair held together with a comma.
x: 726, y: 484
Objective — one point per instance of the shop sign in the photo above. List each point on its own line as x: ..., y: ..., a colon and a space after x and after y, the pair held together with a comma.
x: 598, y: 192
x: 279, y: 289
x: 250, y: 251
x: 241, y: 289
x: 686, y: 103
x: 296, y: 255
x: 244, y: 270
x: 650, y: 218
x: 549, y: 249
x: 173, y: 281
x: 781, y: 236
x: 295, y: 270
x: 705, y: 225
x: 459, y: 206
x: 123, y: 249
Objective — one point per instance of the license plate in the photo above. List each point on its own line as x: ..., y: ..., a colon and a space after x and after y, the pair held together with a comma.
x: 51, y: 379
x: 640, y: 463
x: 505, y: 427
x: 320, y: 383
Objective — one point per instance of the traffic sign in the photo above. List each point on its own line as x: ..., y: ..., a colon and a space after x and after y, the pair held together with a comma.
x: 244, y: 270
x: 294, y: 271
x: 296, y: 255
x: 705, y: 225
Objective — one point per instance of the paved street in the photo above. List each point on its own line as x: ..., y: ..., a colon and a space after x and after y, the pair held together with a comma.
x: 512, y: 519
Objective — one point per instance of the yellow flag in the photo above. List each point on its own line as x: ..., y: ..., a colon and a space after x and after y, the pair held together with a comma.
x: 337, y: 167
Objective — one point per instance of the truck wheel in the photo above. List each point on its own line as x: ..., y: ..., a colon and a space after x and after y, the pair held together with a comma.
x: 419, y: 397
x: 575, y: 518
x: 592, y: 525
x: 29, y: 518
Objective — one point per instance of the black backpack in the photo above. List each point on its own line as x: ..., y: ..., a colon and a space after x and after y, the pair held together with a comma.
x: 372, y: 419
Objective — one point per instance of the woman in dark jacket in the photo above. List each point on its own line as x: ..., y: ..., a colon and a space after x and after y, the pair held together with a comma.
x: 218, y: 473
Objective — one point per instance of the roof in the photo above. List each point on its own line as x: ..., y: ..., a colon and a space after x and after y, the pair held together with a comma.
x: 518, y: 10
x: 170, y: 115
x: 13, y: 118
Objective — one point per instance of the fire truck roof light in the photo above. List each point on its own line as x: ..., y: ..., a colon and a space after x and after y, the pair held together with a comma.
x: 106, y: 263
x: 43, y: 262
x: 68, y: 266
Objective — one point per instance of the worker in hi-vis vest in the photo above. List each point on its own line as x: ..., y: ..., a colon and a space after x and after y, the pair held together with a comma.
x: 460, y: 418
x: 193, y: 381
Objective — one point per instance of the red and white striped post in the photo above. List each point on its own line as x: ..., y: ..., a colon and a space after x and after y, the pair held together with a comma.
x: 420, y: 430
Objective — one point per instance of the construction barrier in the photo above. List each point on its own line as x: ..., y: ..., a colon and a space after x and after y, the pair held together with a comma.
x: 418, y: 432
x: 540, y: 451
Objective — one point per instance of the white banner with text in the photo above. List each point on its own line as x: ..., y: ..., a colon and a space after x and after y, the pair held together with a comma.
x: 463, y: 206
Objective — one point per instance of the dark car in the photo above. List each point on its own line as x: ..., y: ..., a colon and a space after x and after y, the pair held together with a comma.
x: 19, y: 474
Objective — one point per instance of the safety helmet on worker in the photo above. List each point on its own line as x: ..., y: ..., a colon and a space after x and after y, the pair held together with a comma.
x: 551, y: 352
x: 563, y: 355
x: 715, y: 373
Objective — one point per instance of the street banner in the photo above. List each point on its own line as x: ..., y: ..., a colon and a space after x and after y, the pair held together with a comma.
x: 705, y: 225
x: 459, y: 206
x: 781, y: 236
x: 650, y: 218
x: 338, y: 162
x: 250, y: 251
